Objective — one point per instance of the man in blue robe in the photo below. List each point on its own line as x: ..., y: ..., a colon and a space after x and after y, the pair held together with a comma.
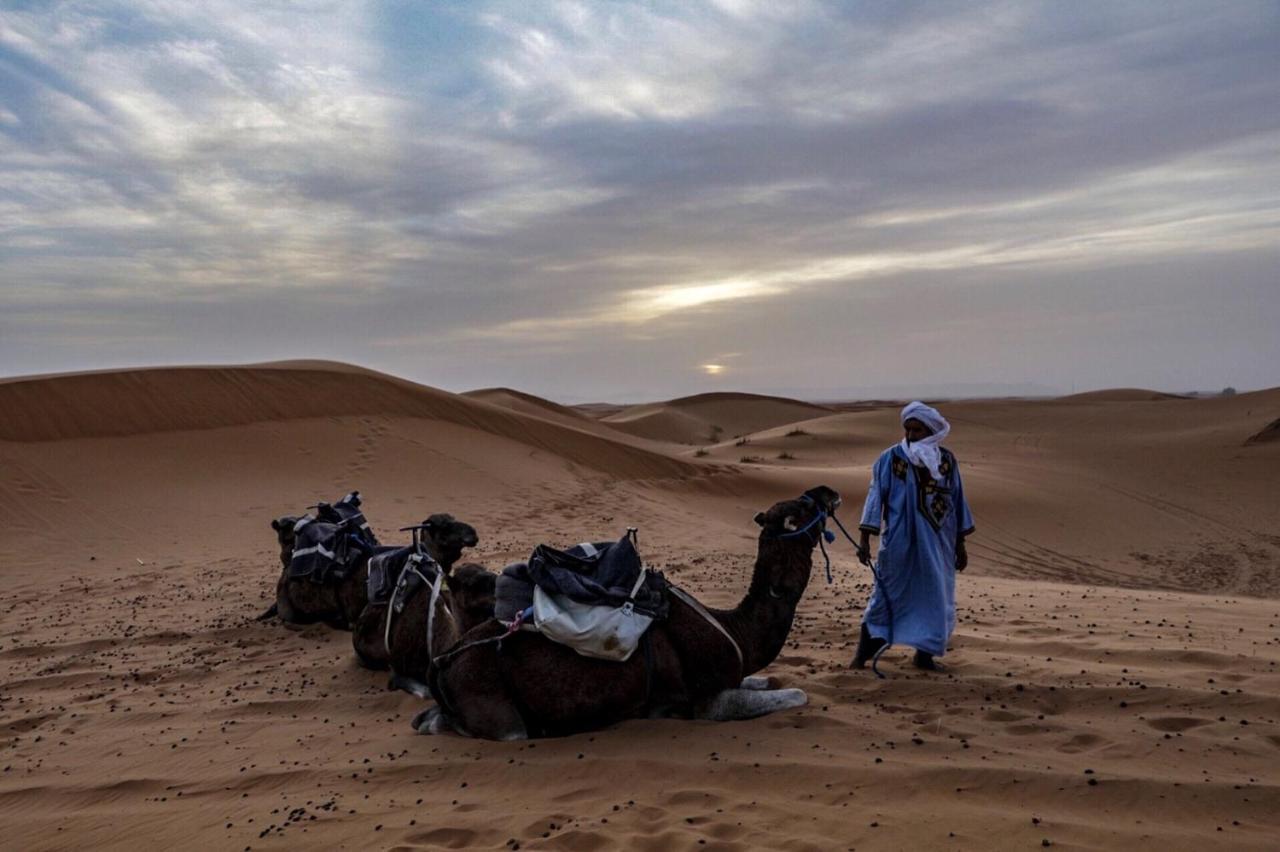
x: 916, y: 504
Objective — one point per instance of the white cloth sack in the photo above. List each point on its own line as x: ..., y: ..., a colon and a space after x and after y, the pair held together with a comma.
x: 603, y: 632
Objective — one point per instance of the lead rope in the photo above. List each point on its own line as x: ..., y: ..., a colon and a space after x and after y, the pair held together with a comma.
x: 875, y: 659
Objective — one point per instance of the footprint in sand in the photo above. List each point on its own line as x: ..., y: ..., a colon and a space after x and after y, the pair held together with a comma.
x: 1083, y: 742
x: 1175, y: 724
x: 449, y: 838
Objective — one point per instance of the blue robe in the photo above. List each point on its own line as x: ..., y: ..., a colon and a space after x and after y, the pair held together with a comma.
x: 915, y: 601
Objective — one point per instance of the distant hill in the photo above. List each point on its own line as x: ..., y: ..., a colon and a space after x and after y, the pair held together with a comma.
x: 1120, y: 395
x: 527, y: 403
x: 1269, y: 433
x: 711, y: 417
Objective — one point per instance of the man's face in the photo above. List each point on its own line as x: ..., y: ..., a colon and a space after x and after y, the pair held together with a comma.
x: 913, y: 430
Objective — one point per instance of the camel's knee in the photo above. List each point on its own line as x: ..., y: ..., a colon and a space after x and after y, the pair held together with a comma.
x: 370, y: 662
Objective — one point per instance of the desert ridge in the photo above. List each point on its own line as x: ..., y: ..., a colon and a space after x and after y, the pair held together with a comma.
x: 1118, y: 621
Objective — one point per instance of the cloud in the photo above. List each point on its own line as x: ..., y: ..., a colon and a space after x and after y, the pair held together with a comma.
x: 513, y: 181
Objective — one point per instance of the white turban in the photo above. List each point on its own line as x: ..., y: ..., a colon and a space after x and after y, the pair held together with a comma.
x: 926, y: 452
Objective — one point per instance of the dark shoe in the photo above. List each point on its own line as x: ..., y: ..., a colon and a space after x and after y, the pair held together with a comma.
x: 868, y: 645
x: 927, y: 662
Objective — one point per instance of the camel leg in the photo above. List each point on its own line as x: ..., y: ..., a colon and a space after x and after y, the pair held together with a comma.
x: 756, y: 682
x: 271, y: 612
x: 432, y: 721
x: 479, y: 701
x: 735, y: 704
x: 409, y: 685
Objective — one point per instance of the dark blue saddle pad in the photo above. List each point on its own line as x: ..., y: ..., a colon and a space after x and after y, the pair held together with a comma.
x: 384, y: 569
x: 600, y: 574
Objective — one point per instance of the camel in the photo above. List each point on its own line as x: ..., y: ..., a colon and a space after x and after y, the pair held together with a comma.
x: 432, y: 622
x: 441, y: 537
x: 697, y: 663
x: 339, y: 604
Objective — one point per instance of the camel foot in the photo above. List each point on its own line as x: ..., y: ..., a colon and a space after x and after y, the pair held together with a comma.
x: 431, y: 721
x: 434, y: 721
x: 409, y: 685
x: 735, y: 704
x: 758, y: 682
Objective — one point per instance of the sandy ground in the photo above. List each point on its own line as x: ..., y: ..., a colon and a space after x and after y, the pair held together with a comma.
x: 1114, y: 682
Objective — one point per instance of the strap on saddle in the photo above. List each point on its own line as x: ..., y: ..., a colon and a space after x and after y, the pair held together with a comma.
x: 701, y: 610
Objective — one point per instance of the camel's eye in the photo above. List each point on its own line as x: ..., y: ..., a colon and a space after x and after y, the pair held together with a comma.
x: 789, y: 523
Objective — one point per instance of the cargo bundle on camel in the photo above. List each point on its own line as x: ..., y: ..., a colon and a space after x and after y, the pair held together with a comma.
x: 502, y: 682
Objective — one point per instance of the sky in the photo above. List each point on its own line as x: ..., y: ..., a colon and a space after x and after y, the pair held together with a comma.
x: 639, y: 200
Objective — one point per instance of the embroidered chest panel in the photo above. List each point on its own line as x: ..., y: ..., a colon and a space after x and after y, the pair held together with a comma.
x: 933, y: 498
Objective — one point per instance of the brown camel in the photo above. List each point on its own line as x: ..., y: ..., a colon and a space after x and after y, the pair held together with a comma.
x: 442, y: 538
x: 339, y: 603
x: 304, y: 601
x: 431, y: 618
x: 696, y: 663
x: 432, y: 621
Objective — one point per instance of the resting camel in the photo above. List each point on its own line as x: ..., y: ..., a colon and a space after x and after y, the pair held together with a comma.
x: 432, y: 622
x: 441, y: 537
x: 338, y: 604
x: 697, y: 662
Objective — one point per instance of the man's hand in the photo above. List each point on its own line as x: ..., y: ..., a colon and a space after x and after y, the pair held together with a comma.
x: 864, y: 549
x: 962, y: 556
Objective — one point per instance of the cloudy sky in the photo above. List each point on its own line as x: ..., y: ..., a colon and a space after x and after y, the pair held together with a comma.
x: 609, y: 200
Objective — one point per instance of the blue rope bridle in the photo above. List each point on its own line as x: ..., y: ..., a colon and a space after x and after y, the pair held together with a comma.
x: 825, y: 537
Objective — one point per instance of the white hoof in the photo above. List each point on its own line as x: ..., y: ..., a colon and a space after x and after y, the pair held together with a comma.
x: 755, y: 682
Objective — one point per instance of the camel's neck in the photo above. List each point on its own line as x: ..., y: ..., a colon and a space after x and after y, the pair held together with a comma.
x: 761, y: 622
x: 439, y: 555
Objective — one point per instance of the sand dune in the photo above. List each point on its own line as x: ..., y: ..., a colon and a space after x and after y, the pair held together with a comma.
x: 710, y: 418
x: 1120, y: 395
x: 527, y: 403
x: 140, y: 704
x: 1270, y: 432
x: 140, y: 402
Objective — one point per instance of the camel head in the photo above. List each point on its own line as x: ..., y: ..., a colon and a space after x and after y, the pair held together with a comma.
x: 473, y: 590
x: 789, y: 530
x: 283, y: 526
x: 444, y: 538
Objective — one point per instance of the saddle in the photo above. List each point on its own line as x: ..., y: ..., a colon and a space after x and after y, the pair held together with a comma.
x: 597, y: 598
x: 385, y: 568
x: 347, y: 511
x: 330, y: 544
